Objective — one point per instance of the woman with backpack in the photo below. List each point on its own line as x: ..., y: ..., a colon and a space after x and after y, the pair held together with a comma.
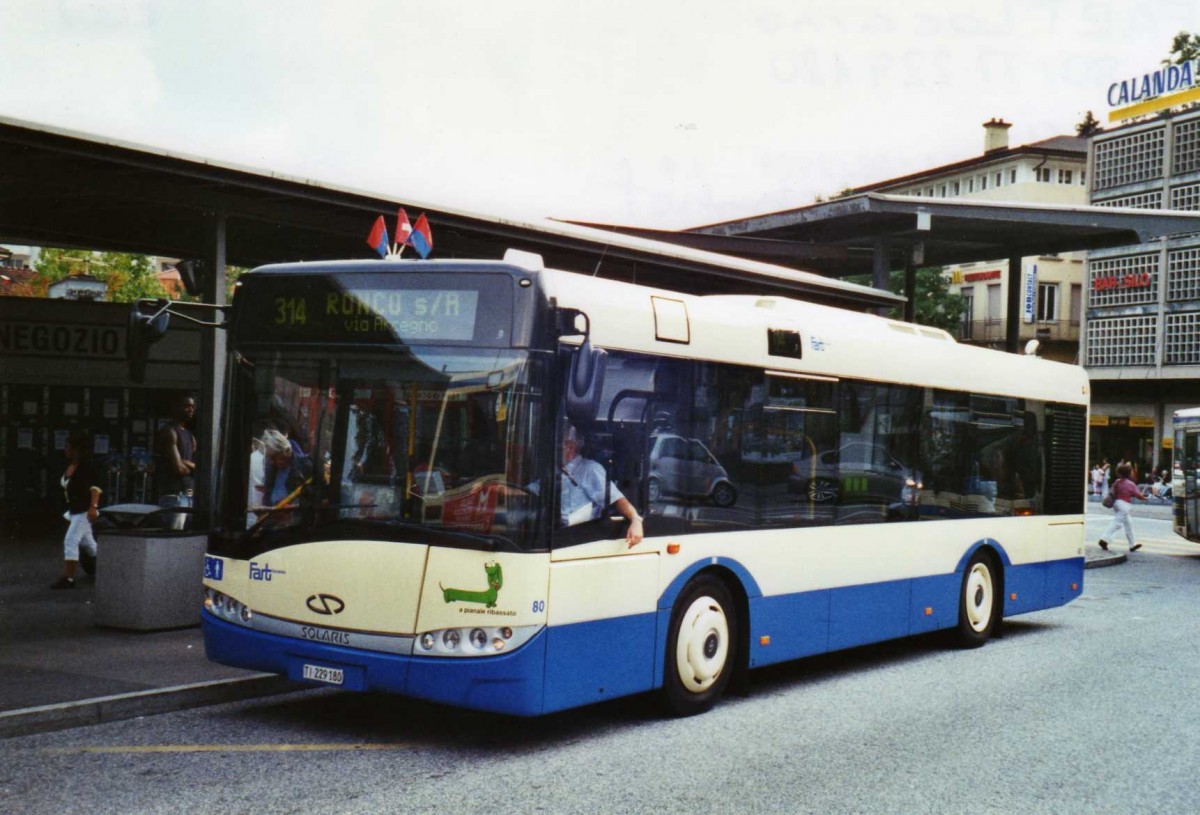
x: 1120, y: 497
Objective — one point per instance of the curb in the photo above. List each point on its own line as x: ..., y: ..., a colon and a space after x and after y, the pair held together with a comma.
x: 66, y: 715
x: 1103, y: 562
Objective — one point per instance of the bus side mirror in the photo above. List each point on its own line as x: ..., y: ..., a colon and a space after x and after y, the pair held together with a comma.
x: 571, y: 322
x: 143, y: 331
x: 585, y: 383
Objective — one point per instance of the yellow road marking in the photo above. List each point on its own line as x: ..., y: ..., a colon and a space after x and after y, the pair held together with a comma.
x: 225, y: 748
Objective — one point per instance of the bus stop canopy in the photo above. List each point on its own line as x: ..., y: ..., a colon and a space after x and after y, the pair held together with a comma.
x: 855, y: 235
x: 59, y: 188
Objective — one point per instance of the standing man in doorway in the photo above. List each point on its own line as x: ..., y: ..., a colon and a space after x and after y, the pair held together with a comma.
x: 175, y: 461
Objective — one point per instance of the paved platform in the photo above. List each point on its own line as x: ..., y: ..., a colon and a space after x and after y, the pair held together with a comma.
x: 59, y: 669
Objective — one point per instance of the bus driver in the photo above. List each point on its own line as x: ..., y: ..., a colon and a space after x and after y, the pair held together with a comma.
x: 582, y: 490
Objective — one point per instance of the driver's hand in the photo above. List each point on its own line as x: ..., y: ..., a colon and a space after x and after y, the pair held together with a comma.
x: 634, y: 535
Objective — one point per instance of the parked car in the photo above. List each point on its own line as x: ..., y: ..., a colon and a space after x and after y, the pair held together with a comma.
x: 686, y: 468
x: 856, y: 471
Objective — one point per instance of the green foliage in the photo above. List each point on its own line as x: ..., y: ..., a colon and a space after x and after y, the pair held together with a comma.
x: 933, y: 304
x: 1088, y: 126
x: 129, y: 277
x: 1184, y: 47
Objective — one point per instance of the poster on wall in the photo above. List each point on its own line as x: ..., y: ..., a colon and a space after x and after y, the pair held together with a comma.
x: 1029, y: 301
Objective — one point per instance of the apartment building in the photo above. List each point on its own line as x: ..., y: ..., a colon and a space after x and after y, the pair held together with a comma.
x: 1142, y: 338
x: 1051, y: 171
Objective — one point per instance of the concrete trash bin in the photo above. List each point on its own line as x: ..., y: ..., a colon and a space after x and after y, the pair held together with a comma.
x: 148, y: 579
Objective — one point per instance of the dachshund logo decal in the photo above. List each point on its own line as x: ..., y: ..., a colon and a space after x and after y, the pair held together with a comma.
x: 495, y: 579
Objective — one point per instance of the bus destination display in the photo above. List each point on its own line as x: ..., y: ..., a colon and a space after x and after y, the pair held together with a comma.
x: 426, y: 314
x: 325, y: 310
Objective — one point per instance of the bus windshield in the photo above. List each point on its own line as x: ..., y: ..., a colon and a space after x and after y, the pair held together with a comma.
x: 417, y: 444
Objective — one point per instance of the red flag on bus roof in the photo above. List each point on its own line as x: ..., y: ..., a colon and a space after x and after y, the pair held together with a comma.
x: 422, y: 238
x: 378, y: 239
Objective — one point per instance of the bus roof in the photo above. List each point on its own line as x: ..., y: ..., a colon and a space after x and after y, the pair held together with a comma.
x: 835, y: 342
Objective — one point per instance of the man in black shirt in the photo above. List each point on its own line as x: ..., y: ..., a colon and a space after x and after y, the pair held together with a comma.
x: 175, y: 461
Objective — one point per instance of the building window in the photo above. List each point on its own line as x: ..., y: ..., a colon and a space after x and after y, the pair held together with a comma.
x: 1183, y: 339
x: 942, y: 194
x: 1047, y: 302
x: 1012, y: 176
x: 1123, y: 281
x: 1187, y: 147
x: 1000, y: 179
x: 1121, y: 342
x: 1083, y: 177
x: 983, y: 182
x: 1183, y: 275
x: 954, y: 188
x: 1129, y: 159
x: 1043, y: 174
x: 1186, y: 197
x: 968, y: 296
x: 1064, y: 176
x: 929, y: 192
x: 970, y: 185
x: 1141, y: 200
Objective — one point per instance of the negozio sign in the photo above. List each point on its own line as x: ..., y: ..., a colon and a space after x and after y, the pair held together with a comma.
x: 62, y: 340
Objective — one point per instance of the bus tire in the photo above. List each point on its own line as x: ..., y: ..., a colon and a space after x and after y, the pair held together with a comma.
x: 979, y: 601
x: 701, y: 648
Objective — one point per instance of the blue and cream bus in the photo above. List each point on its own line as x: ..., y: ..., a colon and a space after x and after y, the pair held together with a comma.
x: 809, y: 479
x: 1185, y: 473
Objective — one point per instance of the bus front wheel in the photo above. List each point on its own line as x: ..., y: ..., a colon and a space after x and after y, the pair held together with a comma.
x: 979, y: 607
x: 702, y: 648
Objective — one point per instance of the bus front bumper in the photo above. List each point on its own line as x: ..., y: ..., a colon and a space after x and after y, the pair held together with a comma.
x: 509, y: 683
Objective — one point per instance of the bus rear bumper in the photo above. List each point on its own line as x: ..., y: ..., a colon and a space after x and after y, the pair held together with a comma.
x: 509, y: 683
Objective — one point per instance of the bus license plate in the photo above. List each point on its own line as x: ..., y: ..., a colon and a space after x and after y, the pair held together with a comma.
x: 319, y: 673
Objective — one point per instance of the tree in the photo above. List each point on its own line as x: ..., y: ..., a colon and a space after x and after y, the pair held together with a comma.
x: 1184, y: 48
x: 933, y: 304
x: 1088, y: 126
x: 129, y: 277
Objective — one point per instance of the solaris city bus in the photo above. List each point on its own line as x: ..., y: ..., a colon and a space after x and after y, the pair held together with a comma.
x: 810, y: 479
x: 1185, y: 473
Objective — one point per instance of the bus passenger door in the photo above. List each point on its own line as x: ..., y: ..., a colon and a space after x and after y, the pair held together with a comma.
x: 1191, y: 490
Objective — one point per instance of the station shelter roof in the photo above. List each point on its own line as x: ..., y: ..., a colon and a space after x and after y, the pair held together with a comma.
x: 67, y: 189
x: 841, y: 237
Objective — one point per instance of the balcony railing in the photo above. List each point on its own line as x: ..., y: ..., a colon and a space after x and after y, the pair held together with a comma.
x: 990, y: 331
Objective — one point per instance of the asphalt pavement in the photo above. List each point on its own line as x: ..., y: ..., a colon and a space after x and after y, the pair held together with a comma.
x: 59, y: 669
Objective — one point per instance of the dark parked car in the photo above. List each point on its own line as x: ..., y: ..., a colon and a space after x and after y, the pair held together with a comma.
x: 855, y: 472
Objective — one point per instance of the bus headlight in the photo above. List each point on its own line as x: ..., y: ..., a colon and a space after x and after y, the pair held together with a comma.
x: 473, y: 642
x: 224, y: 607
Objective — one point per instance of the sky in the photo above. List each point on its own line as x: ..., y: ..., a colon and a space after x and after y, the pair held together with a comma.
x: 655, y: 113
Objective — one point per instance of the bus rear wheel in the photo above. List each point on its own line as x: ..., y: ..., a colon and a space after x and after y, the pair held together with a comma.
x: 702, y: 647
x: 979, y: 607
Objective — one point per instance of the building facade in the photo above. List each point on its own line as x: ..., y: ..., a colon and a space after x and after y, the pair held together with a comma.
x: 1051, y: 171
x: 1142, y: 339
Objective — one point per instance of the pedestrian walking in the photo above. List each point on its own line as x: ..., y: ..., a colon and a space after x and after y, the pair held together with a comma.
x: 1097, y: 480
x: 1124, y: 492
x: 80, y: 482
